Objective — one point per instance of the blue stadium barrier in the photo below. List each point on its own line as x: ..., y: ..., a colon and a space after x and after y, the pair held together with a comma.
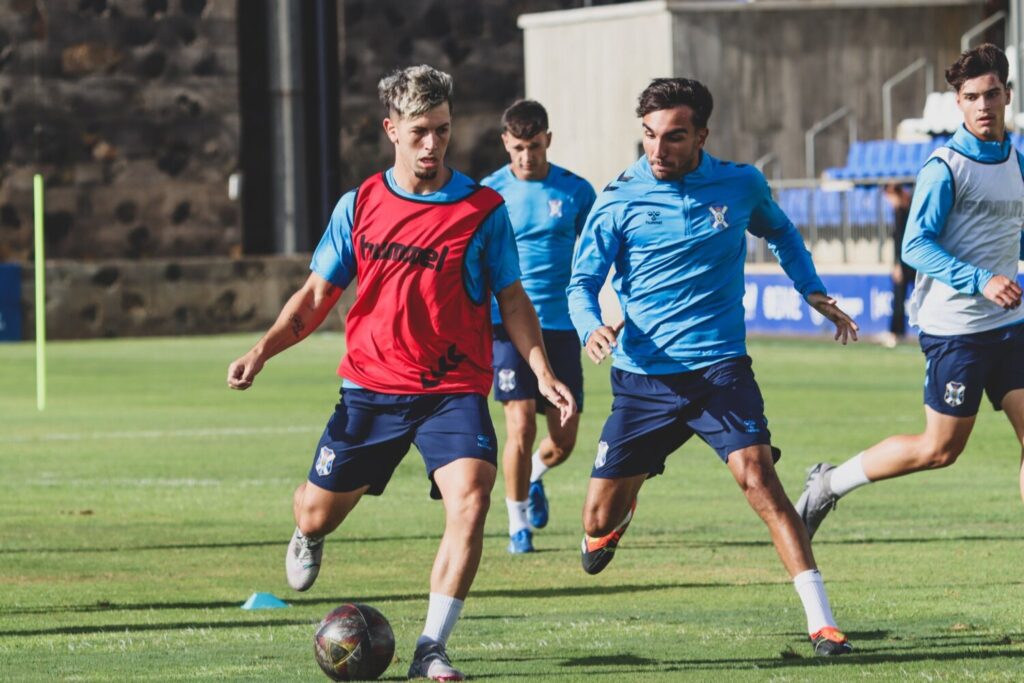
x: 774, y: 307
x: 10, y: 302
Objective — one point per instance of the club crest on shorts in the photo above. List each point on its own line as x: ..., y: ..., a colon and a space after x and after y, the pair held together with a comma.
x: 506, y: 379
x: 555, y: 208
x: 718, y: 213
x: 325, y: 461
x: 602, y: 454
x: 954, y: 393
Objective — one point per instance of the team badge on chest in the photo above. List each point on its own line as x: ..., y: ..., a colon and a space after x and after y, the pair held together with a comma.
x: 718, y: 214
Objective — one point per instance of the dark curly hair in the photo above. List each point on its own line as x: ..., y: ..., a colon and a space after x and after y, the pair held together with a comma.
x: 979, y: 61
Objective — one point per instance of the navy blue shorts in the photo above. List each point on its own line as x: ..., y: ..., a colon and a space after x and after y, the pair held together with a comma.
x: 653, y: 415
x: 958, y: 368
x: 369, y: 434
x: 515, y: 381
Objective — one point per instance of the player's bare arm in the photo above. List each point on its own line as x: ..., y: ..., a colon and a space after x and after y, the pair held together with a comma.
x: 524, y: 330
x: 300, y: 315
x: 602, y: 341
x: 846, y: 328
x: 1003, y: 291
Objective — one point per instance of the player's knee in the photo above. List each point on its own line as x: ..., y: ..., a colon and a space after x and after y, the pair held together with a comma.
x: 521, y: 428
x: 563, y: 446
x: 942, y: 455
x: 599, y: 520
x: 471, y: 507
x: 314, y: 522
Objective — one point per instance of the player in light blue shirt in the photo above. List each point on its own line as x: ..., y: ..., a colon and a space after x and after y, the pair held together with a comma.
x: 964, y: 238
x: 674, y: 225
x: 548, y: 206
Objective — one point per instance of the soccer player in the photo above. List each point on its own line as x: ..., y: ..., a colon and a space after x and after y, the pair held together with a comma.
x: 964, y: 238
x: 674, y: 225
x: 427, y: 246
x: 547, y: 205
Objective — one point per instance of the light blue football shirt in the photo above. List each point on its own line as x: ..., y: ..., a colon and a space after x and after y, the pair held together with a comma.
x: 547, y: 216
x: 678, y: 247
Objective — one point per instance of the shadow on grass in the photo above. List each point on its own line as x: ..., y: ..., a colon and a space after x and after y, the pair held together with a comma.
x: 538, y: 593
x: 676, y: 541
x: 667, y: 542
x: 139, y: 628
x: 282, y: 542
x: 630, y: 665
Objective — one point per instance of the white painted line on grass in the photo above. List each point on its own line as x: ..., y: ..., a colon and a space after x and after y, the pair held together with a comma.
x: 165, y: 433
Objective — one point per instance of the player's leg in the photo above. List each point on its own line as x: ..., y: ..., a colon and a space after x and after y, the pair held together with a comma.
x: 607, y: 512
x: 642, y: 430
x: 521, y: 430
x: 358, y: 451
x: 1006, y: 384
x: 1013, y: 405
x: 957, y: 371
x: 554, y: 449
x: 729, y: 415
x: 754, y: 471
x: 318, y: 512
x: 457, y: 443
x: 515, y: 386
x: 563, y: 347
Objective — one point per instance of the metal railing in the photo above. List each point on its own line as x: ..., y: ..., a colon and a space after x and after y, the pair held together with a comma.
x: 902, y: 75
x: 853, y: 234
x: 979, y: 28
x: 812, y: 133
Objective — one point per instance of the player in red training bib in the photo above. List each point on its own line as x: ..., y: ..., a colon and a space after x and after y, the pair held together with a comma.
x: 428, y: 247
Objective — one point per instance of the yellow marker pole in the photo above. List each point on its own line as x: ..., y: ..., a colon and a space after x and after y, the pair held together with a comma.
x: 40, y: 266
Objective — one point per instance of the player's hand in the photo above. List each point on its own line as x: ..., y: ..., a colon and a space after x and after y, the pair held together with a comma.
x: 243, y: 371
x: 1003, y: 291
x: 559, y: 395
x: 846, y: 328
x: 602, y: 340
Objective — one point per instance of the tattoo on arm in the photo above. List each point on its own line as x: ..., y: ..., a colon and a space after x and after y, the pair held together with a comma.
x: 297, y: 325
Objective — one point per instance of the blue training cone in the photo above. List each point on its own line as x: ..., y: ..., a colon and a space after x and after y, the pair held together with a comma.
x: 264, y: 601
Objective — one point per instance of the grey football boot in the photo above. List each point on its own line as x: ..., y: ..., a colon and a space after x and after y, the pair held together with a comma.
x: 431, y: 661
x: 302, y: 562
x: 817, y: 499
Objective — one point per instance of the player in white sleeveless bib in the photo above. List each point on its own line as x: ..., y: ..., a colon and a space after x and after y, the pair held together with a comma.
x: 964, y: 238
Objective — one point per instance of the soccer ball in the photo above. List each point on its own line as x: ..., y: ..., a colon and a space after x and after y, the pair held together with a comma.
x: 354, y: 642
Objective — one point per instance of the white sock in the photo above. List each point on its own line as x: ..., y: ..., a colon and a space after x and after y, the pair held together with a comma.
x: 811, y: 589
x: 442, y: 614
x: 848, y: 476
x: 516, y: 516
x: 538, y: 468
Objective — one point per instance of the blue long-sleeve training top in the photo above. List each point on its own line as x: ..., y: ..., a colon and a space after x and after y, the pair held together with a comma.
x: 678, y: 247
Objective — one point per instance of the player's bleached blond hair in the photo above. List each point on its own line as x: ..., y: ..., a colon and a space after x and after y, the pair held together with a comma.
x: 415, y: 90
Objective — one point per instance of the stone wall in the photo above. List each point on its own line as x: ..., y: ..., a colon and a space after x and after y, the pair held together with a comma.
x: 163, y: 297
x: 476, y: 41
x: 129, y: 109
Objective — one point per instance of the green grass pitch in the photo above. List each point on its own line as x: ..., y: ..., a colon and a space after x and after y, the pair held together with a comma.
x: 147, y: 502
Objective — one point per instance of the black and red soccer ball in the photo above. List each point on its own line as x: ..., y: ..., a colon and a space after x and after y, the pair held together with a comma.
x: 354, y: 642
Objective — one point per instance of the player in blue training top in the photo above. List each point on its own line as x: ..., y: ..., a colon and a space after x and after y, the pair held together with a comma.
x: 675, y: 227
x: 964, y: 238
x: 548, y: 206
